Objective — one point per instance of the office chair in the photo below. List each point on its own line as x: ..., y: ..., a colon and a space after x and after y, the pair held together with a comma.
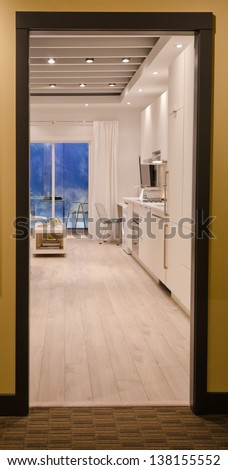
x: 107, y: 222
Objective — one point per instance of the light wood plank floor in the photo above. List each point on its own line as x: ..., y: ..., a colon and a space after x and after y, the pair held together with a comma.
x: 103, y: 332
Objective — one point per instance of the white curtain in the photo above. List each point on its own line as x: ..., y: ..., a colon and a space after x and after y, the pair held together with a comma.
x: 103, y: 169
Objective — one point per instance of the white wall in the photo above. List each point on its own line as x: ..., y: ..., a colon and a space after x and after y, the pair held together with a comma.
x: 129, y: 135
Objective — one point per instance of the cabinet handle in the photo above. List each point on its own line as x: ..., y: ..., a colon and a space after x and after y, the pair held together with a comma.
x: 164, y: 255
x: 165, y: 185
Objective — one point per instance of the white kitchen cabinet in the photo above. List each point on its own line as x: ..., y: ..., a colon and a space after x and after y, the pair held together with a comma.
x: 146, y: 133
x: 184, y: 295
x: 172, y: 256
x: 164, y: 249
x: 158, y: 261
x: 175, y: 165
x: 145, y: 254
x: 154, y: 128
x: 179, y: 180
x: 178, y: 264
x: 151, y: 242
x: 180, y: 135
x: 188, y: 131
x: 176, y: 84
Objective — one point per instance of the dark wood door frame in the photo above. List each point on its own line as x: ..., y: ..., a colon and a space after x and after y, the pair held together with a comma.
x: 202, y: 25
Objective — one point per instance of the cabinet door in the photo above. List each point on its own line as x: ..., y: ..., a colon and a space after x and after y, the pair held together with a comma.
x: 172, y: 256
x: 175, y: 166
x: 143, y: 245
x: 176, y: 83
x: 154, y: 127
x: 147, y: 241
x: 147, y: 134
x: 188, y: 131
x: 129, y: 225
x: 158, y: 249
x: 178, y: 275
x: 151, y: 243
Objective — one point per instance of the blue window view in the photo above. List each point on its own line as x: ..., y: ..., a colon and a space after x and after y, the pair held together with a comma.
x: 71, y: 182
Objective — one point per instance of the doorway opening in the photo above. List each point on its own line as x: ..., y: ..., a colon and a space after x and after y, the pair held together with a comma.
x: 201, y: 25
x: 110, y: 320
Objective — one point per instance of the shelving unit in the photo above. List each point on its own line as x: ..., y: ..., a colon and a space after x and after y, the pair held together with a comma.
x: 49, y: 239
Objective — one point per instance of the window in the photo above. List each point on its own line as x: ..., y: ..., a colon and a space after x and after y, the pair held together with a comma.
x: 59, y: 181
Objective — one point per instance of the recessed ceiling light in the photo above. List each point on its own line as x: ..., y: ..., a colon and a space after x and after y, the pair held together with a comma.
x: 128, y: 102
x: 89, y: 60
x: 52, y: 85
x: 154, y: 73
x: 111, y: 84
x: 82, y: 85
x: 140, y: 90
x: 179, y: 46
x: 86, y: 104
x: 51, y: 60
x: 125, y: 60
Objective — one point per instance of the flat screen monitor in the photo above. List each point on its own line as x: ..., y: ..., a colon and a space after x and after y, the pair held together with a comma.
x: 148, y: 175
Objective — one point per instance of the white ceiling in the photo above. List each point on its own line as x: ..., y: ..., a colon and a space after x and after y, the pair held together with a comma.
x: 148, y: 53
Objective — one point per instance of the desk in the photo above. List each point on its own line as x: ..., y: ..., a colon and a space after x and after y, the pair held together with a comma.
x: 42, y: 206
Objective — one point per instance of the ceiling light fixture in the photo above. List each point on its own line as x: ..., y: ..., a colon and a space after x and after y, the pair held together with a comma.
x: 112, y: 84
x: 179, y: 46
x: 128, y: 102
x: 140, y: 90
x: 51, y: 60
x: 52, y: 85
x: 82, y: 85
x: 89, y: 60
x: 86, y: 104
x: 125, y: 60
x: 155, y: 73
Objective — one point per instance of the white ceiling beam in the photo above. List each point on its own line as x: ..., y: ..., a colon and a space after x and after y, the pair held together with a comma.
x: 108, y: 42
x: 85, y: 75
x: 77, y: 89
x: 93, y: 52
x: 63, y: 81
x: 81, y: 61
x: 83, y: 68
x: 93, y: 34
x: 72, y: 91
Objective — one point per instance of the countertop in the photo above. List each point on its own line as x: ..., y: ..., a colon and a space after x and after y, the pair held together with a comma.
x: 156, y: 207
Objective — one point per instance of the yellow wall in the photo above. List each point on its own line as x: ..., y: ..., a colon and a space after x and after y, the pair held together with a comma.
x: 218, y: 312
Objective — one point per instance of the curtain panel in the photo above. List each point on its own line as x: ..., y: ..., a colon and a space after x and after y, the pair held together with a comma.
x: 103, y: 170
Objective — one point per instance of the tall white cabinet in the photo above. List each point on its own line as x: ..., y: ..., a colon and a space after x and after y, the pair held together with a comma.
x: 154, y: 128
x: 179, y: 182
x: 175, y: 165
